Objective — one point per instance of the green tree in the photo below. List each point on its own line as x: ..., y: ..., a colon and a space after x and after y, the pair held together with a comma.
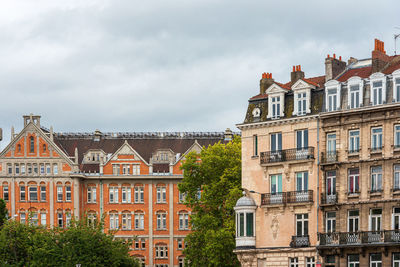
x: 216, y: 170
x: 3, y: 212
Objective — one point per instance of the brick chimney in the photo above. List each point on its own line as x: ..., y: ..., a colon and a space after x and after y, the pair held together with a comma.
x: 379, y: 57
x: 265, y: 82
x: 296, y: 74
x: 333, y: 67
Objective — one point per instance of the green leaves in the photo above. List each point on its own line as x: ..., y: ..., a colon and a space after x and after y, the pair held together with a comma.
x: 216, y: 170
x: 81, y: 243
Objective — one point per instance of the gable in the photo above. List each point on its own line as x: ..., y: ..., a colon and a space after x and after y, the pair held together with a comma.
x: 126, y: 152
x: 275, y: 89
x: 300, y: 84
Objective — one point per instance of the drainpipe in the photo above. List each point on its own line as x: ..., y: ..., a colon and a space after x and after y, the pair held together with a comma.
x: 317, y: 259
x: 101, y: 199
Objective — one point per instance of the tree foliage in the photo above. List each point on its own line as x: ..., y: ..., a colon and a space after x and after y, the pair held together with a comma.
x: 3, y: 212
x: 216, y: 170
x: 81, y: 243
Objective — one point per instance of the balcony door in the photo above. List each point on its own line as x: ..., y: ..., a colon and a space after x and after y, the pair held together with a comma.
x: 375, y: 225
x: 331, y: 187
x: 276, y: 188
x: 353, y: 226
x: 302, y: 186
x: 276, y: 147
x: 396, y: 225
x: 331, y: 147
x: 302, y: 144
x: 301, y: 225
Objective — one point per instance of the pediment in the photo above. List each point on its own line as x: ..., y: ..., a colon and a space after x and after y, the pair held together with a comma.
x: 195, y: 147
x: 275, y: 89
x: 332, y: 83
x: 354, y: 79
x: 126, y: 152
x: 377, y: 75
x: 300, y: 84
x: 396, y: 72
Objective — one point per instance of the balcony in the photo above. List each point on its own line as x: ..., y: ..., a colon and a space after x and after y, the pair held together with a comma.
x: 328, y: 199
x: 300, y: 241
x: 329, y: 157
x: 359, y: 238
x: 305, y: 153
x: 287, y: 197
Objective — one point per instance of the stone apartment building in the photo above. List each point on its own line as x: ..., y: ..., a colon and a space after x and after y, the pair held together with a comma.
x: 130, y: 178
x: 352, y: 211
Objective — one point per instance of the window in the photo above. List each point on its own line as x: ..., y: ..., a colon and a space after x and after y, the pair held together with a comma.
x: 276, y: 102
x: 301, y: 139
x: 5, y: 193
x: 294, y: 262
x: 43, y: 219
x: 44, y: 148
x: 116, y: 169
x: 332, y: 99
x: 331, y: 146
x: 376, y: 179
x: 9, y: 169
x: 42, y: 169
x: 354, y: 181
x: 126, y: 221
x: 183, y: 221
x: 301, y: 224
x: 16, y: 169
x: 353, y: 221
x: 396, y: 256
x: 161, y: 221
x: 161, y: 251
x: 331, y: 185
x: 181, y: 262
x: 139, y: 194
x: 126, y: 195
x: 22, y: 193
x: 68, y: 194
x: 55, y: 168
x: 396, y: 177
x: 137, y: 244
x: 48, y: 169
x: 396, y: 89
x: 68, y: 219
x: 301, y: 181
x: 377, y: 93
x: 59, y: 193
x: 35, y: 168
x: 375, y: 260
x: 60, y: 220
x: 34, y: 219
x: 136, y: 169
x: 331, y: 222
x: 33, y: 193
x: 91, y: 218
x: 113, y: 194
x: 91, y: 194
x: 355, y: 98
x: 376, y: 139
x: 276, y: 184
x: 22, y: 218
x: 353, y: 260
x: 301, y: 103
x: 310, y: 262
x: 114, y: 221
x: 276, y: 142
x: 181, y: 197
x: 245, y: 224
x: 375, y: 222
x: 19, y: 148
x: 161, y: 194
x: 29, y: 168
x: 180, y: 243
x: 126, y: 169
x: 255, y: 145
x: 354, y: 141
x: 396, y: 219
x: 397, y: 136
x: 22, y: 168
x: 32, y: 144
x: 139, y: 221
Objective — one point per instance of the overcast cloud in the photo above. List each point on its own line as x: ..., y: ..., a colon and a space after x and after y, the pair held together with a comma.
x: 168, y: 65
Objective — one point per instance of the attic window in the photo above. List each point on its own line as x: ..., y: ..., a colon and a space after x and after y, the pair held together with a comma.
x: 19, y: 147
x: 44, y: 148
x: 301, y: 103
x: 276, y: 107
x: 32, y: 144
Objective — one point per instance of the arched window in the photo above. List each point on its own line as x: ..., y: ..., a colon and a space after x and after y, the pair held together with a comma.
x: 161, y: 220
x: 32, y: 144
x: 114, y: 220
x: 139, y: 220
x: 183, y: 220
x: 126, y: 220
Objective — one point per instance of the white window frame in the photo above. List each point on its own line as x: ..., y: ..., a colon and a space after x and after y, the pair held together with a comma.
x: 68, y: 193
x: 183, y: 221
x: 43, y: 218
x: 396, y: 75
x: 396, y: 218
x: 31, y: 189
x: 330, y: 221
x: 161, y: 194
x: 294, y: 262
x: 60, y: 193
x: 139, y: 194
x: 113, y: 194
x: 375, y: 263
x: 139, y: 220
x: 332, y: 84
x: 22, y: 218
x: 91, y: 194
x: 114, y: 221
x: 352, y: 82
x: 126, y: 221
x: 60, y: 219
x: 126, y: 194
x: 136, y: 169
x: 396, y: 135
x: 161, y: 251
x: 275, y: 107
x: 301, y: 98
x: 376, y: 178
x: 354, y: 140
x: 355, y: 221
x: 395, y: 262
x: 281, y: 103
x: 377, y: 217
x: 161, y: 220
x: 310, y: 262
x: 6, y: 193
x: 377, y: 77
x: 43, y: 194
x: 22, y: 192
x: 353, y: 263
x: 379, y: 139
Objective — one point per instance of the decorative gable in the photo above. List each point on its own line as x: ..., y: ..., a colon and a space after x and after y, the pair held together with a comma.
x: 126, y: 152
x: 302, y: 97
x: 276, y: 101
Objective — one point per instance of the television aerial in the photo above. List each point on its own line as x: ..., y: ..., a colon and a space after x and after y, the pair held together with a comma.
x: 395, y: 40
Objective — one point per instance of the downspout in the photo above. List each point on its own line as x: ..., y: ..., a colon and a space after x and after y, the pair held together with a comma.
x: 317, y: 184
x: 101, y: 199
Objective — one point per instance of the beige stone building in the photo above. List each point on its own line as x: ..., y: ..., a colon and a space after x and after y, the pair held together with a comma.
x: 321, y: 167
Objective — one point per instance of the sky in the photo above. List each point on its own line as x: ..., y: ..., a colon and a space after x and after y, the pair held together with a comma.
x: 168, y: 65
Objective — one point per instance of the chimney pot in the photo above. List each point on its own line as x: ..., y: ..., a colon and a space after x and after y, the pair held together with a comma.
x: 328, y: 56
x: 340, y: 58
x: 294, y: 68
x: 334, y: 55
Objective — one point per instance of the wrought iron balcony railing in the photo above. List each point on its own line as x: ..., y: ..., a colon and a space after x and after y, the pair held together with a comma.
x: 330, y: 156
x: 287, y: 197
x: 328, y: 199
x: 300, y: 241
x: 287, y: 155
x: 359, y: 238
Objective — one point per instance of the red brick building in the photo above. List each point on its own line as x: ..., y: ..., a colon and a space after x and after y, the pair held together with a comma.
x: 130, y: 178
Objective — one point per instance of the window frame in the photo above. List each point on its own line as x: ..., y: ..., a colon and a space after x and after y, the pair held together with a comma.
x: 354, y: 141
x: 376, y: 182
x: 378, y: 137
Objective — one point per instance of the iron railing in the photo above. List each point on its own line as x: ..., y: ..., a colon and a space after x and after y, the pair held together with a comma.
x: 330, y: 156
x: 328, y: 199
x: 359, y: 238
x: 300, y: 241
x: 287, y: 155
x: 287, y: 197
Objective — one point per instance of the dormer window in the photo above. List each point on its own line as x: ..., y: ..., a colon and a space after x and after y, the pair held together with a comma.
x: 396, y: 86
x: 355, y: 92
x: 301, y: 103
x: 276, y: 107
x: 378, y: 88
x: 332, y: 99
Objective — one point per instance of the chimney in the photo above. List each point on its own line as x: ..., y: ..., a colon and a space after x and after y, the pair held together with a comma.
x: 265, y: 82
x: 76, y: 155
x: 333, y: 67
x: 228, y: 135
x: 51, y: 133
x: 296, y: 74
x: 379, y: 57
x: 12, y: 133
